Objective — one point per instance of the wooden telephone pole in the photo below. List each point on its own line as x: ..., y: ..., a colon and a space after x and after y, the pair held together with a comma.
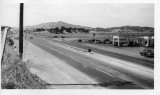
x: 21, y: 32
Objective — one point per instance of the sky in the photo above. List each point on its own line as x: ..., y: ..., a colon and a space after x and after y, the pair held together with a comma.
x: 86, y: 14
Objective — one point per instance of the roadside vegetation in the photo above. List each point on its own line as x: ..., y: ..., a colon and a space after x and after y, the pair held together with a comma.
x: 61, y: 30
x: 14, y: 73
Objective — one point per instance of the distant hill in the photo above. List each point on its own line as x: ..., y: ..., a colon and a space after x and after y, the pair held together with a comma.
x: 59, y: 24
x: 56, y: 24
x: 134, y: 28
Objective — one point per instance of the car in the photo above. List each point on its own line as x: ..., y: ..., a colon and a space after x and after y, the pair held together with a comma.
x: 109, y: 42
x: 98, y: 41
x: 115, y: 44
x: 147, y: 53
x: 105, y: 41
x: 91, y: 40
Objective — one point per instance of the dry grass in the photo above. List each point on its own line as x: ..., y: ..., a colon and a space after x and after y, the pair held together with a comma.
x: 14, y: 73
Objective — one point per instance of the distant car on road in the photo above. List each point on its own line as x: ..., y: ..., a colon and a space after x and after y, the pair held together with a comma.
x: 147, y: 53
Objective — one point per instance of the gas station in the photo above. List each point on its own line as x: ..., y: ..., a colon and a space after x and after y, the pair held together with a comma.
x: 121, y: 40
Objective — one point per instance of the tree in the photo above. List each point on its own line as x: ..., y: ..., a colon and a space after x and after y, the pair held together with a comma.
x: 51, y: 30
x: 56, y: 30
x: 62, y: 29
x: 69, y: 30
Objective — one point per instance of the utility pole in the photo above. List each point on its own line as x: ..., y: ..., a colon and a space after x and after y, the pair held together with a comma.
x: 21, y: 32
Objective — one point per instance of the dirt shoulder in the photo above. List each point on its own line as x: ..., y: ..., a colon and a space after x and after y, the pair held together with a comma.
x: 15, y: 74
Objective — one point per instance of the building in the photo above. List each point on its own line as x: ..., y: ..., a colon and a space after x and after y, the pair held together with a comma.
x: 132, y: 38
x: 124, y: 40
x: 147, y: 41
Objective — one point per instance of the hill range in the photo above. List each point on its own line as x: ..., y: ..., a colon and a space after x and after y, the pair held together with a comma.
x: 56, y: 24
x: 59, y: 24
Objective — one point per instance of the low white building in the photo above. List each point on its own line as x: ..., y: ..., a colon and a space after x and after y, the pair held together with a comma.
x: 118, y: 40
x: 148, y: 40
x: 133, y: 40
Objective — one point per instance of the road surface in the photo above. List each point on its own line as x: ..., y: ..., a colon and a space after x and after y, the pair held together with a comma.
x: 104, y: 69
x: 139, y: 61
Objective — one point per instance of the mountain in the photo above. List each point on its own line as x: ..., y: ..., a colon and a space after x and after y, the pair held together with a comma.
x: 56, y: 24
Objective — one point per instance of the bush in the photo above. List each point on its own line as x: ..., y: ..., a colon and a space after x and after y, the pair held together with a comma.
x: 10, y: 41
x: 55, y: 36
x: 62, y: 36
x: 9, y: 85
x: 17, y: 38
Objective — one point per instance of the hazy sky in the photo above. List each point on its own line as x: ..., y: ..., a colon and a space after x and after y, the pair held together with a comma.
x: 89, y: 14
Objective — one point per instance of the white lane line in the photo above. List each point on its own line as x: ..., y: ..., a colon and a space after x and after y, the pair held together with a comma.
x: 69, y: 47
x: 95, y: 68
x: 75, y: 59
x: 104, y: 72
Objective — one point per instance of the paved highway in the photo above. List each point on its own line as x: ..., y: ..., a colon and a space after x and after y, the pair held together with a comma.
x: 98, y: 67
x: 139, y: 61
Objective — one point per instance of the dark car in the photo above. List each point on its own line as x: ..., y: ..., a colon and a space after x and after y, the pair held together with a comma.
x: 91, y: 40
x: 147, y: 53
x: 109, y: 42
x: 98, y: 41
x: 105, y: 41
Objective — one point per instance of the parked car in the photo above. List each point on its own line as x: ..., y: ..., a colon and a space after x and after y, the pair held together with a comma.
x: 91, y: 40
x: 147, y: 53
x: 115, y: 44
x: 105, y: 41
x: 98, y: 41
x: 109, y: 42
